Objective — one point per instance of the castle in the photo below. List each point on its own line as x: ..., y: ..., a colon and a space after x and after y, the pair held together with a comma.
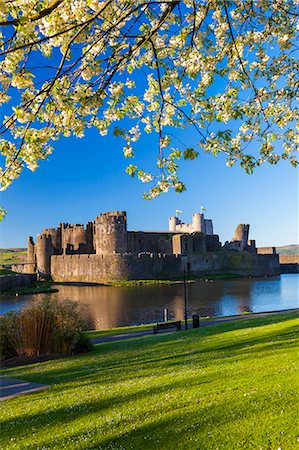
x: 104, y: 250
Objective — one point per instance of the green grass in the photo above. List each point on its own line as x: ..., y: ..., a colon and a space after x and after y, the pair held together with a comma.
x: 288, y: 249
x: 30, y: 291
x: 39, y: 287
x: 7, y: 272
x: 140, y: 282
x: 228, y: 386
x: 148, y: 326
x: 10, y: 256
x: 219, y: 276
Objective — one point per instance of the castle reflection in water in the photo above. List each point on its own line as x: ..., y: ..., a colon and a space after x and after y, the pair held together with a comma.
x: 120, y: 306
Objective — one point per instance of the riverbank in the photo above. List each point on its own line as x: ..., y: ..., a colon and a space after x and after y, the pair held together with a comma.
x: 230, y: 385
x: 178, y: 280
x: 38, y: 287
x: 44, y: 287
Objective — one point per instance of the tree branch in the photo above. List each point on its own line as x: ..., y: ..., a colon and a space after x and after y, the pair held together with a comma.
x: 34, y: 17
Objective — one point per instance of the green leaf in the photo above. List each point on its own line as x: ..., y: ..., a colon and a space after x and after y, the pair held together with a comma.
x: 190, y: 153
x: 118, y: 132
x: 131, y: 170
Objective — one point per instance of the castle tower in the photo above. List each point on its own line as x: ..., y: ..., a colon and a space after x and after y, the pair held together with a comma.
x: 90, y: 237
x: 30, y: 268
x: 73, y: 238
x: 111, y: 233
x: 44, y: 250
x: 173, y: 222
x: 198, y: 223
x: 55, y: 234
x: 30, y: 249
x: 241, y: 235
x: 209, y: 226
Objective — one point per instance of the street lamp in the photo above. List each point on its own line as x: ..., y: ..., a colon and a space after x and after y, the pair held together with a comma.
x: 185, y: 300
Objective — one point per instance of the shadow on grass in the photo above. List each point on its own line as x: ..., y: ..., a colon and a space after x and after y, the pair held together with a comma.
x: 170, y: 415
x: 162, y: 350
x: 158, y: 425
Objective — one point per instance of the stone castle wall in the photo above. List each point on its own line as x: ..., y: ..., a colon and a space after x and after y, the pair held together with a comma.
x: 289, y: 263
x: 289, y: 259
x: 266, y: 250
x: 145, y: 241
x: 21, y: 280
x: 26, y: 268
x: 104, y: 268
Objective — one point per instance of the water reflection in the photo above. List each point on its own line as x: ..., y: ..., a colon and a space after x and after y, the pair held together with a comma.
x: 120, y: 306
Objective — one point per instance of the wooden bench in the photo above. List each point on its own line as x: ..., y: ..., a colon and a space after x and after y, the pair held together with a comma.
x: 166, y: 325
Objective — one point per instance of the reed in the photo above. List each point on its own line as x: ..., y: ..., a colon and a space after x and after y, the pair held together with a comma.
x: 44, y: 327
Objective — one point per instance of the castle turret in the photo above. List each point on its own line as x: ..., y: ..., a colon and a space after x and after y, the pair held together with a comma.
x: 30, y: 268
x: 198, y: 223
x: 209, y: 226
x: 30, y: 250
x: 55, y: 234
x: 173, y: 222
x: 241, y: 235
x: 44, y: 250
x: 111, y: 233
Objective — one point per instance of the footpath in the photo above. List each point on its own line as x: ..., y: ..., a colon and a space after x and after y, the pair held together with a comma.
x: 203, y: 323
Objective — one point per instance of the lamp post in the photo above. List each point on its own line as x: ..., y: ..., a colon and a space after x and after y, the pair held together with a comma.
x: 185, y: 300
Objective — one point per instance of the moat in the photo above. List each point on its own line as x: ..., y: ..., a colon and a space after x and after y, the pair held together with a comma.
x: 121, y: 306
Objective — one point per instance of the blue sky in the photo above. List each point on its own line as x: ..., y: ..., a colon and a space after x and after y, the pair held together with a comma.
x: 85, y: 177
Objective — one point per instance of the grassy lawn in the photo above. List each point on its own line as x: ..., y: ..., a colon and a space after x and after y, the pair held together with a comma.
x: 7, y: 272
x: 227, y: 386
x: 39, y: 287
x: 204, y: 276
x: 12, y: 255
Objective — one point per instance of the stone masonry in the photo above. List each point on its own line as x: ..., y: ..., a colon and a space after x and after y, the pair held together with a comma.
x: 104, y: 250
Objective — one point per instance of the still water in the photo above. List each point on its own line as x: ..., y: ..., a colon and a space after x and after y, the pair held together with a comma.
x: 120, y: 306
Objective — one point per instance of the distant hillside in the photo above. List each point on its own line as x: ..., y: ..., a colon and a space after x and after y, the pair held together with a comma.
x: 9, y: 256
x: 288, y: 250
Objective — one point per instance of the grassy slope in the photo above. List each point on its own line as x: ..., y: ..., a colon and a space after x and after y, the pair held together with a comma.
x: 10, y: 256
x: 227, y: 386
x: 288, y: 250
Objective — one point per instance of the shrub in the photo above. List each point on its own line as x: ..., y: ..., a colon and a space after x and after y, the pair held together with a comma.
x: 44, y: 327
x: 83, y: 344
x: 6, y: 348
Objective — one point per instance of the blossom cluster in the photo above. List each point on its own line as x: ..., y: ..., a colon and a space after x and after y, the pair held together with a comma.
x: 227, y: 69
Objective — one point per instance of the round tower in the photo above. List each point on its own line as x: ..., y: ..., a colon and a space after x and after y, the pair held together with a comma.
x: 111, y: 233
x: 56, y: 238
x: 198, y: 223
x: 172, y: 223
x: 44, y: 250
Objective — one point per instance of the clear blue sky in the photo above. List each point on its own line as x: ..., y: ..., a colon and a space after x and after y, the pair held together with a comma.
x: 85, y: 177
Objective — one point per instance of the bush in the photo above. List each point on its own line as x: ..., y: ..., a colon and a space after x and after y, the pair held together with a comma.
x: 83, y: 344
x: 6, y: 348
x: 44, y: 327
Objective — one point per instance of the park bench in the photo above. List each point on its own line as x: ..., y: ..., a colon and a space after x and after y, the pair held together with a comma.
x: 166, y: 325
